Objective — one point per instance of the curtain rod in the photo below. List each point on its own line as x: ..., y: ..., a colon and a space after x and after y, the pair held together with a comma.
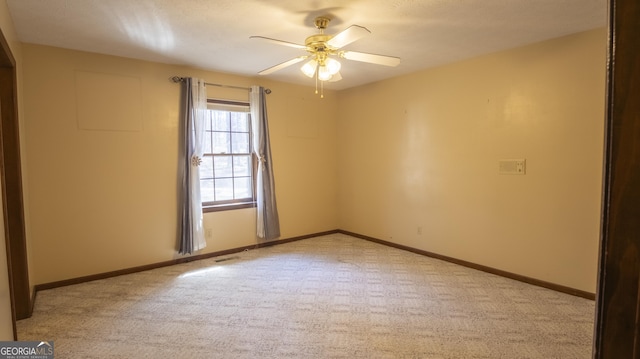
x: 177, y: 79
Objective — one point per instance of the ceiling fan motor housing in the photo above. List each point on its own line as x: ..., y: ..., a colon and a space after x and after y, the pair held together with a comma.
x: 317, y: 42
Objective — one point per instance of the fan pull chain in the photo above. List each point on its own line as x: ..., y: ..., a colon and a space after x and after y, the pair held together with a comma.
x: 316, y: 80
x: 321, y: 83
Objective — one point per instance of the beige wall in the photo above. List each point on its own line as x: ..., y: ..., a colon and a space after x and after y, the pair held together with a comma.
x: 422, y: 151
x: 103, y: 188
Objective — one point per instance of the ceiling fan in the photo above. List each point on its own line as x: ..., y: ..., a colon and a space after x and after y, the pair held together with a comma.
x: 322, y: 49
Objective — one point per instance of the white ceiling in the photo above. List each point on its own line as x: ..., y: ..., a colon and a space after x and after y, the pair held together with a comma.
x: 214, y: 34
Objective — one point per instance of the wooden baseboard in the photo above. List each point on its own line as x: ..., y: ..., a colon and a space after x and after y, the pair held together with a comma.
x: 89, y: 278
x: 518, y: 277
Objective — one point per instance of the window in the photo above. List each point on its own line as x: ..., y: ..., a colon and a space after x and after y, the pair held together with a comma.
x: 227, y: 169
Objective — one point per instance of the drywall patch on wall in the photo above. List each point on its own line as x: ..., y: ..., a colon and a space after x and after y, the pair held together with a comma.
x: 108, y: 102
x: 303, y: 116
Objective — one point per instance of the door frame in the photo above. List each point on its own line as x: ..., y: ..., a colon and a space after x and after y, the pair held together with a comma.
x: 617, y: 323
x: 11, y: 185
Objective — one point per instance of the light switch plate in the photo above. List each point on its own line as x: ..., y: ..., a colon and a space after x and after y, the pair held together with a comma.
x: 512, y: 167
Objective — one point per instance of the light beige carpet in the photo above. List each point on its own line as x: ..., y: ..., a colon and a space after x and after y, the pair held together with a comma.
x: 327, y: 297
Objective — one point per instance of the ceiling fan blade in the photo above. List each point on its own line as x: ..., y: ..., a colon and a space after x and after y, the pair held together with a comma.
x: 347, y: 36
x: 280, y: 42
x: 371, y: 58
x: 282, y: 65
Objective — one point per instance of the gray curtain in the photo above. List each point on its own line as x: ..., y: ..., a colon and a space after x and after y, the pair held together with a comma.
x: 194, y: 107
x: 268, y: 225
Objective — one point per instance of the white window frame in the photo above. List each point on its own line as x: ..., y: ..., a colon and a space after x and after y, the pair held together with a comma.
x: 236, y: 203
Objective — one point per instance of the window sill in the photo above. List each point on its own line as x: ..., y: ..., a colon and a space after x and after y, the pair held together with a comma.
x: 227, y: 207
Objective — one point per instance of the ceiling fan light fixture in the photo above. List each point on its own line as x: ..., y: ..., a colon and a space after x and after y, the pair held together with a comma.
x: 333, y: 66
x: 323, y: 73
x: 309, y: 69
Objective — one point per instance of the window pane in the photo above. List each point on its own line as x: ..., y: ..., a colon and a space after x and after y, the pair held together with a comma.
x: 208, y: 122
x: 221, y: 121
x: 242, y: 187
x: 239, y: 122
x: 221, y: 142
x: 240, y: 142
x: 242, y: 166
x: 206, y: 191
x: 206, y: 168
x: 207, y: 145
x: 224, y: 189
x: 223, y: 166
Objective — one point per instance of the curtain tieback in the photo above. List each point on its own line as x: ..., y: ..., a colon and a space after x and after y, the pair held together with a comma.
x: 196, y: 161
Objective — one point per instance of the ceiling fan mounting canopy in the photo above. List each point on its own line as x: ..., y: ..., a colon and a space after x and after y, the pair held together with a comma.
x: 321, y: 22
